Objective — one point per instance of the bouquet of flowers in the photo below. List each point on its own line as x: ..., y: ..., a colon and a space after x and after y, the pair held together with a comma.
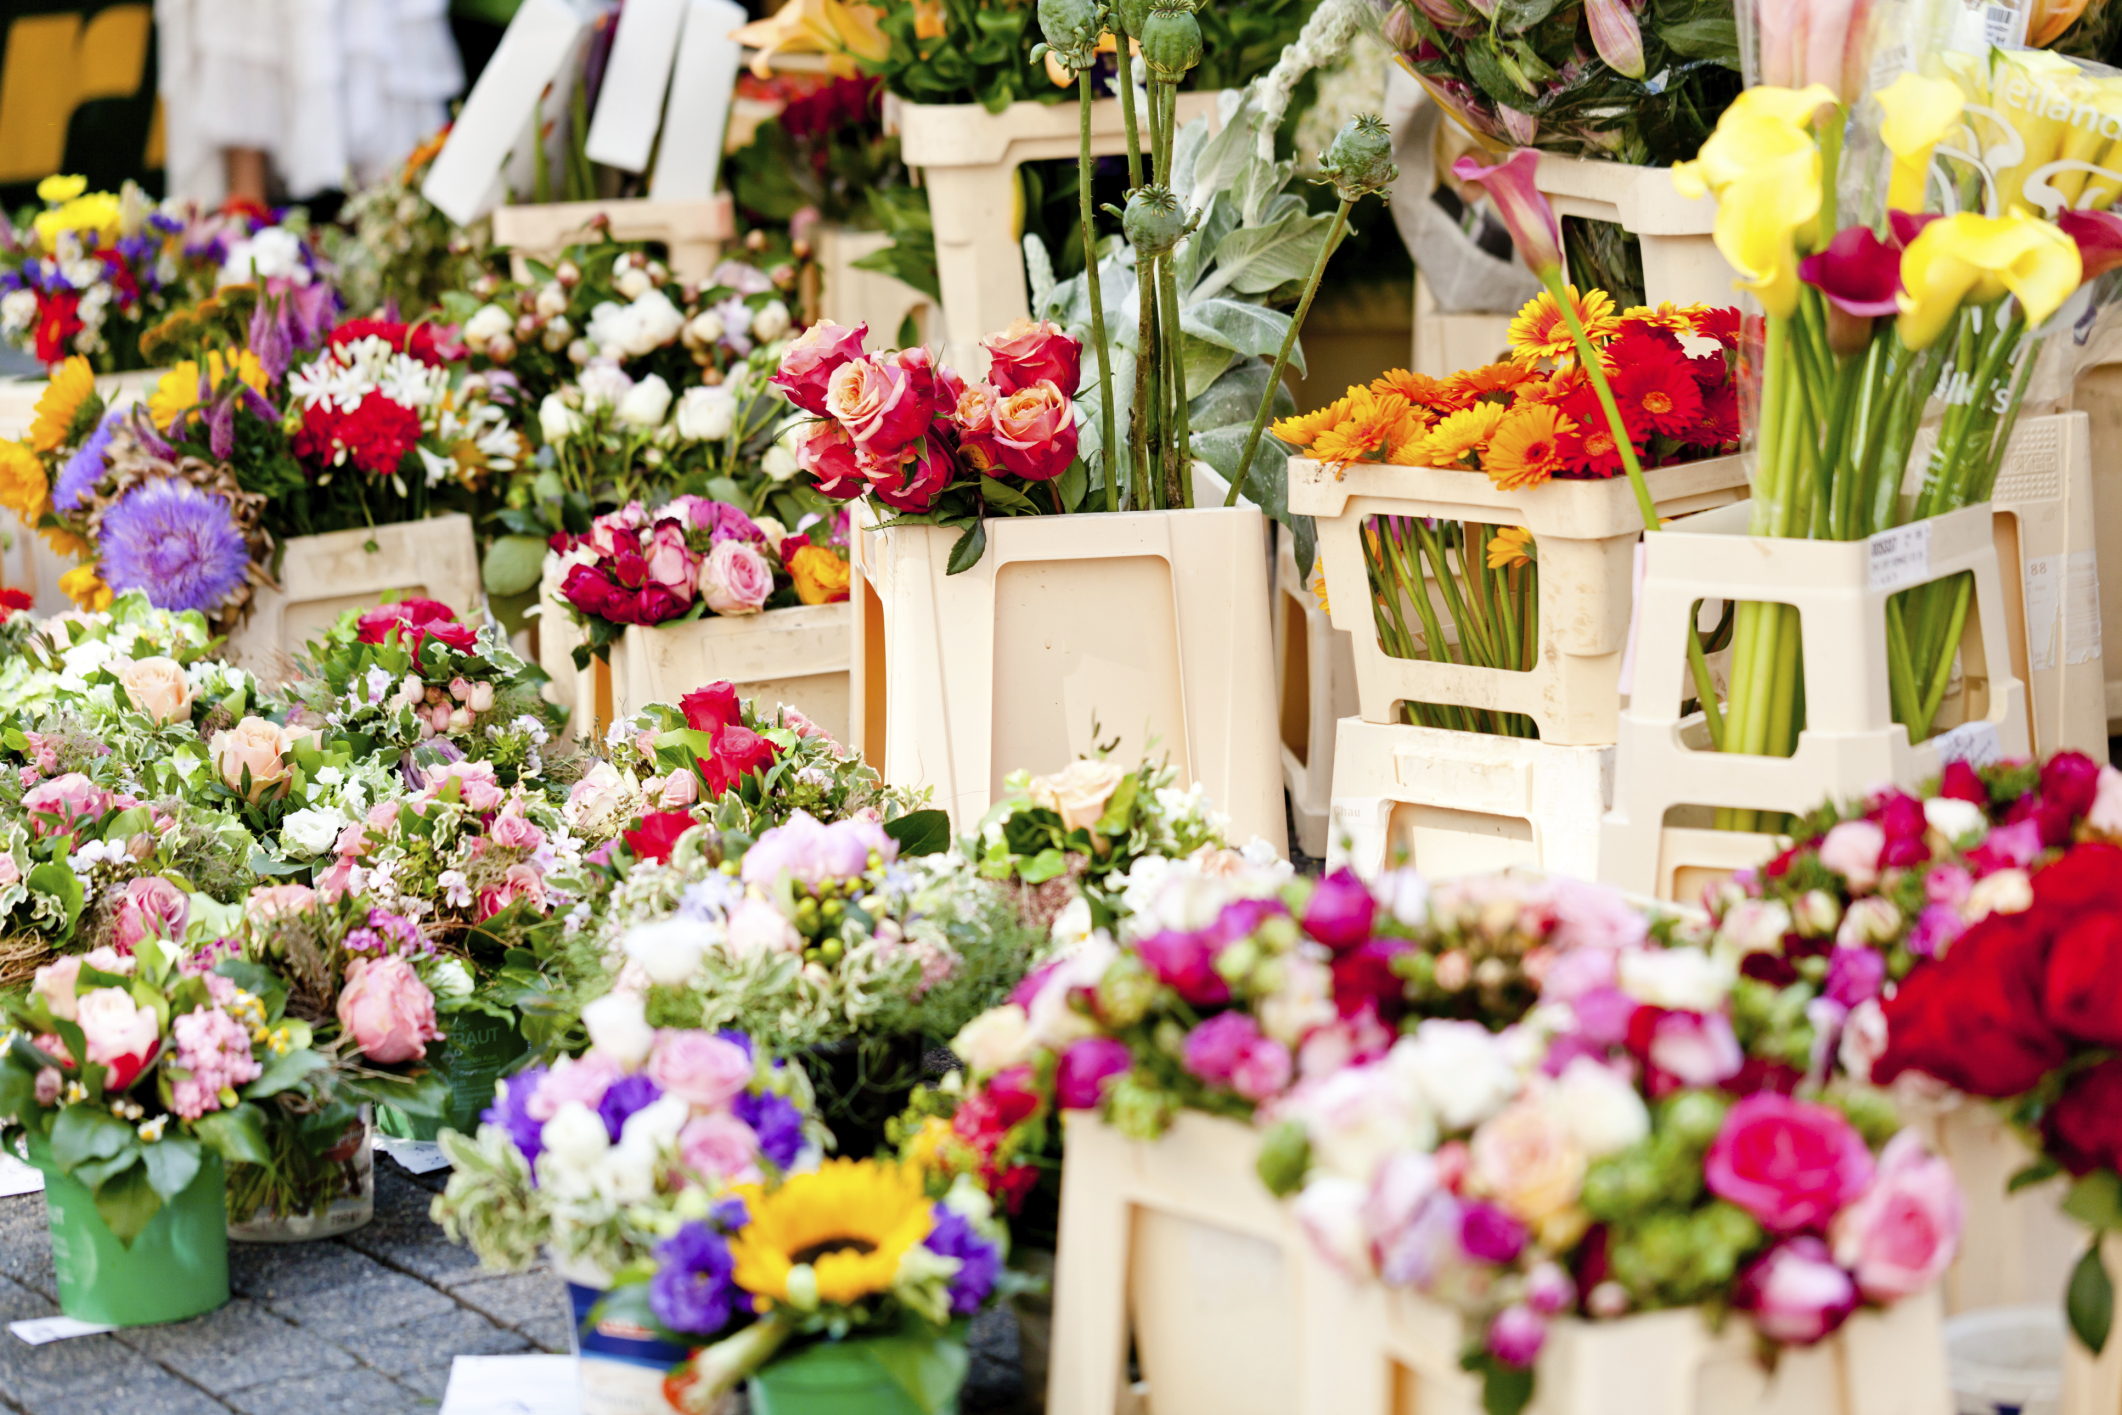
x: 392, y: 252
x: 88, y: 275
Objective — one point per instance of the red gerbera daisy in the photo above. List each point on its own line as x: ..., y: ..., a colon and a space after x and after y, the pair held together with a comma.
x: 1664, y: 395
x: 1721, y: 325
x: 415, y: 339
x: 58, y: 321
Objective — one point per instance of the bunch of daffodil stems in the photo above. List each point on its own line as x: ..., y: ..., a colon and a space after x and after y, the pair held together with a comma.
x: 1868, y: 326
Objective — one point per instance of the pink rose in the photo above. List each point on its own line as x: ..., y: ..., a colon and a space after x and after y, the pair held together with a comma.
x: 64, y: 803
x: 679, y: 790
x: 671, y: 562
x: 352, y: 843
x: 149, y: 905
x: 10, y: 872
x: 721, y: 1148
x: 1035, y: 432
x: 387, y: 1010
x: 812, y: 358
x: 735, y: 578
x: 880, y: 402
x: 1852, y: 850
x: 1900, y: 1235
x: 55, y: 984
x: 520, y: 882
x: 513, y: 832
x: 1795, y: 1293
x: 581, y: 1080
x: 268, y: 902
x: 120, y: 1034
x: 383, y: 816
x: 699, y: 1068
x: 1027, y: 353
x: 1790, y: 1164
x: 825, y: 450
x: 477, y: 786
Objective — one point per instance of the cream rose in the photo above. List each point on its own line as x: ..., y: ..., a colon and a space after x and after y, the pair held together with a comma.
x: 258, y: 747
x: 1526, y: 1160
x: 1079, y: 792
x: 156, y: 687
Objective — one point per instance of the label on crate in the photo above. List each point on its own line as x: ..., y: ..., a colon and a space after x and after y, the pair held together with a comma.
x: 1900, y: 557
x: 2044, y: 597
x: 2081, y: 608
x: 1975, y: 743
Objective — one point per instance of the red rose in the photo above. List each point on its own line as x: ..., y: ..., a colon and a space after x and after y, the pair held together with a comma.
x: 715, y: 706
x: 1977, y: 1019
x: 1900, y: 815
x: 827, y: 452
x: 657, y: 835
x: 1962, y: 783
x: 597, y: 594
x: 912, y: 480
x: 2070, y: 780
x: 416, y: 621
x: 2083, y: 878
x: 2084, y: 984
x: 2084, y: 1126
x: 1364, y: 977
x: 885, y: 403
x: 807, y: 365
x: 739, y: 751
x: 1027, y: 352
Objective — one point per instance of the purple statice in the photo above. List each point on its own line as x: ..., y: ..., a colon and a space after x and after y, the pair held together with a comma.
x: 86, y: 467
x: 692, y: 1293
x: 625, y: 1096
x: 389, y: 933
x: 511, y: 1111
x: 979, y: 1260
x: 174, y: 541
x: 777, y: 1123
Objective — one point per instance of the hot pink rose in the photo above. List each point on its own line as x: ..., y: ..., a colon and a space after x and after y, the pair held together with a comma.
x: 811, y: 359
x: 884, y: 403
x: 912, y: 480
x: 720, y: 1147
x: 1795, y: 1292
x: 55, y: 984
x: 62, y: 804
x: 149, y: 905
x: 699, y: 1068
x: 671, y: 562
x: 1035, y: 432
x: 735, y: 578
x: 521, y: 882
x: 121, y: 1035
x: 827, y: 452
x: 1790, y: 1164
x: 1028, y: 352
x: 387, y: 1009
x: 513, y: 832
x: 1901, y: 1234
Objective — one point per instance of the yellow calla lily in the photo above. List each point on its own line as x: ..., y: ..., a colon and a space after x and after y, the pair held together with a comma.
x: 1763, y: 165
x: 1920, y: 113
x: 1970, y: 259
x: 1763, y: 124
x: 2096, y: 191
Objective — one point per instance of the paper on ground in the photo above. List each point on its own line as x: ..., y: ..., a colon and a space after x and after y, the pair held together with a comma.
x: 38, y: 1330
x: 17, y: 1177
x: 413, y: 1156
x: 512, y: 1385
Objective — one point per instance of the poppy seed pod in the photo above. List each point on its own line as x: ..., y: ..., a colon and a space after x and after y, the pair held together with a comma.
x: 1133, y: 15
x: 1361, y: 159
x: 1071, y: 28
x: 1171, y: 42
x: 1153, y: 221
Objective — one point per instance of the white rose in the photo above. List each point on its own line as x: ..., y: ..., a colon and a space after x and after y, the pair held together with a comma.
x: 652, y: 322
x: 557, y: 422
x: 1683, y: 979
x: 618, y: 1026
x: 1459, y: 1069
x: 312, y: 831
x: 779, y: 463
x: 1303, y: 1000
x: 1330, y: 1211
x: 1954, y: 818
x: 450, y: 978
x: 706, y: 327
x: 668, y: 950
x: 707, y: 414
x: 757, y: 927
x: 575, y: 1136
x: 771, y: 322
x: 655, y: 1126
x: 645, y: 403
x: 603, y: 385
x: 600, y: 792
x: 998, y: 1037
x: 1599, y: 1108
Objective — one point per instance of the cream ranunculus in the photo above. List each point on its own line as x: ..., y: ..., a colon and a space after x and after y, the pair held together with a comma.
x: 157, y: 687
x: 1078, y: 793
x: 255, y: 746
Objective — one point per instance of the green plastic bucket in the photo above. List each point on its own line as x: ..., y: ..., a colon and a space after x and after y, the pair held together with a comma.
x: 884, y: 1375
x: 478, y: 1049
x: 176, y: 1268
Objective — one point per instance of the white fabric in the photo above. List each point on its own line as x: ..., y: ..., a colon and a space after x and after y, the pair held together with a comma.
x: 338, y: 92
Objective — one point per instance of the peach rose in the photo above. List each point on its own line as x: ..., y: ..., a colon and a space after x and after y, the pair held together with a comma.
x: 257, y: 747
x: 1526, y: 1161
x: 1035, y: 431
x: 1079, y: 792
x: 387, y: 1009
x: 156, y: 686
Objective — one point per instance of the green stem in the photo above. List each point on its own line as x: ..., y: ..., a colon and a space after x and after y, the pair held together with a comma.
x: 1289, y: 342
x: 1127, y: 104
x: 1174, y: 375
x: 1588, y: 360
x: 1142, y: 416
x: 1182, y: 439
x: 1097, y: 302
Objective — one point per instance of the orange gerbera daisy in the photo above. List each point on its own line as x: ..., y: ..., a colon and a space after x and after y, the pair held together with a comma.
x: 1373, y: 425
x: 1527, y: 447
x: 1510, y: 547
x: 1436, y: 394
x: 1303, y: 429
x: 1490, y: 378
x: 1540, y: 332
x: 1463, y: 432
x: 1680, y: 319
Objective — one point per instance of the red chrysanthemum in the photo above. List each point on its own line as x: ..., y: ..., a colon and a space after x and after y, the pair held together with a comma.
x: 417, y: 340
x: 375, y: 436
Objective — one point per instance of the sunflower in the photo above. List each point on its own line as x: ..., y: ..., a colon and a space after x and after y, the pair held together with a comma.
x: 61, y: 405
x: 1303, y: 429
x: 178, y: 392
x: 1467, y: 430
x: 1510, y: 547
x: 851, y: 1221
x: 1540, y: 332
x: 24, y: 489
x: 1526, y: 449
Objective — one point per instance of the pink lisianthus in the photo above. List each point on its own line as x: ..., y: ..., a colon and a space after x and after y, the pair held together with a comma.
x: 1087, y: 1069
x: 1791, y: 1164
x: 1228, y: 1050
x: 700, y: 1068
x: 583, y: 1079
x: 1695, y: 1048
x: 1901, y: 1234
x: 1852, y: 851
x: 477, y: 786
x: 387, y: 1010
x: 811, y: 360
x: 814, y: 853
x: 735, y: 578
x: 55, y: 983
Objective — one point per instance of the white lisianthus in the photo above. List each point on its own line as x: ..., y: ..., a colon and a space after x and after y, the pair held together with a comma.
x: 450, y: 978
x: 1459, y: 1069
x: 557, y: 422
x: 603, y: 384
x: 311, y: 831
x: 1683, y: 979
x: 668, y: 950
x: 618, y: 1026
x: 998, y: 1037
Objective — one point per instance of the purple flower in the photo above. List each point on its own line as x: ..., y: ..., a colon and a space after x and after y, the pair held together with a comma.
x: 1421, y: 1249
x: 1489, y: 1235
x: 1085, y: 1068
x: 1516, y: 1336
x: 979, y: 1261
x: 85, y: 468
x: 1186, y: 963
x: 1340, y: 911
x: 174, y: 541
x: 1855, y: 975
x: 737, y: 1039
x: 729, y: 1214
x: 777, y: 1123
x: 723, y: 521
x: 511, y: 1111
x: 625, y: 1096
x: 1603, y: 1015
x: 692, y: 1293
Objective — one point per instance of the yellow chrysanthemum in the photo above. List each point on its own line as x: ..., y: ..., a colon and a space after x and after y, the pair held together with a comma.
x: 65, y: 543
x: 1510, y: 547
x: 1465, y: 431
x: 24, y: 489
x: 85, y: 588
x: 73, y: 385
x: 1303, y: 429
x: 58, y: 188
x: 1540, y: 332
x: 178, y: 392
x: 1680, y: 319
x: 850, y: 1221
x: 1526, y: 449
x: 94, y: 216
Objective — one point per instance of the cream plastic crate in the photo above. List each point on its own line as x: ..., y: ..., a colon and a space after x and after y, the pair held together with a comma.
x: 323, y: 576
x: 557, y: 636
x: 794, y: 656
x: 2016, y: 1249
x: 2092, y: 1385
x: 1851, y: 743
x: 2098, y: 393
x: 968, y: 159
x: 1455, y: 803
x: 1176, y: 1242
x: 1315, y: 674
x: 1446, y: 343
x: 2045, y: 532
x: 1152, y: 625
x: 1681, y: 262
x: 691, y: 232
x: 849, y: 295
x: 1586, y: 533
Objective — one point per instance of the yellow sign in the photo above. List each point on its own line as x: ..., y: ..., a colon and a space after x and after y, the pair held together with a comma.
x: 53, y: 64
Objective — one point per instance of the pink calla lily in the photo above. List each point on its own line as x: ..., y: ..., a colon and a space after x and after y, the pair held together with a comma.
x: 1520, y: 204
x: 1616, y: 35
x: 2099, y: 238
x: 1858, y: 273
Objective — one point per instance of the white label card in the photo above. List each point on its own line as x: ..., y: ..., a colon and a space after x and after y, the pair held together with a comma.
x: 414, y: 1156
x: 1975, y: 743
x: 2081, y: 608
x: 2044, y: 597
x: 39, y: 1330
x: 1901, y: 557
x: 512, y: 1385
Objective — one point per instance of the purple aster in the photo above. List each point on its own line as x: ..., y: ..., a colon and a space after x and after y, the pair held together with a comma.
x: 511, y: 1111
x: 691, y: 1292
x: 777, y: 1123
x: 979, y: 1261
x: 625, y: 1096
x: 85, y: 468
x: 174, y: 541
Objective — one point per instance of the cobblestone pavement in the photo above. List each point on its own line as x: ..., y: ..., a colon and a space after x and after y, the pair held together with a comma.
x: 366, y: 1324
